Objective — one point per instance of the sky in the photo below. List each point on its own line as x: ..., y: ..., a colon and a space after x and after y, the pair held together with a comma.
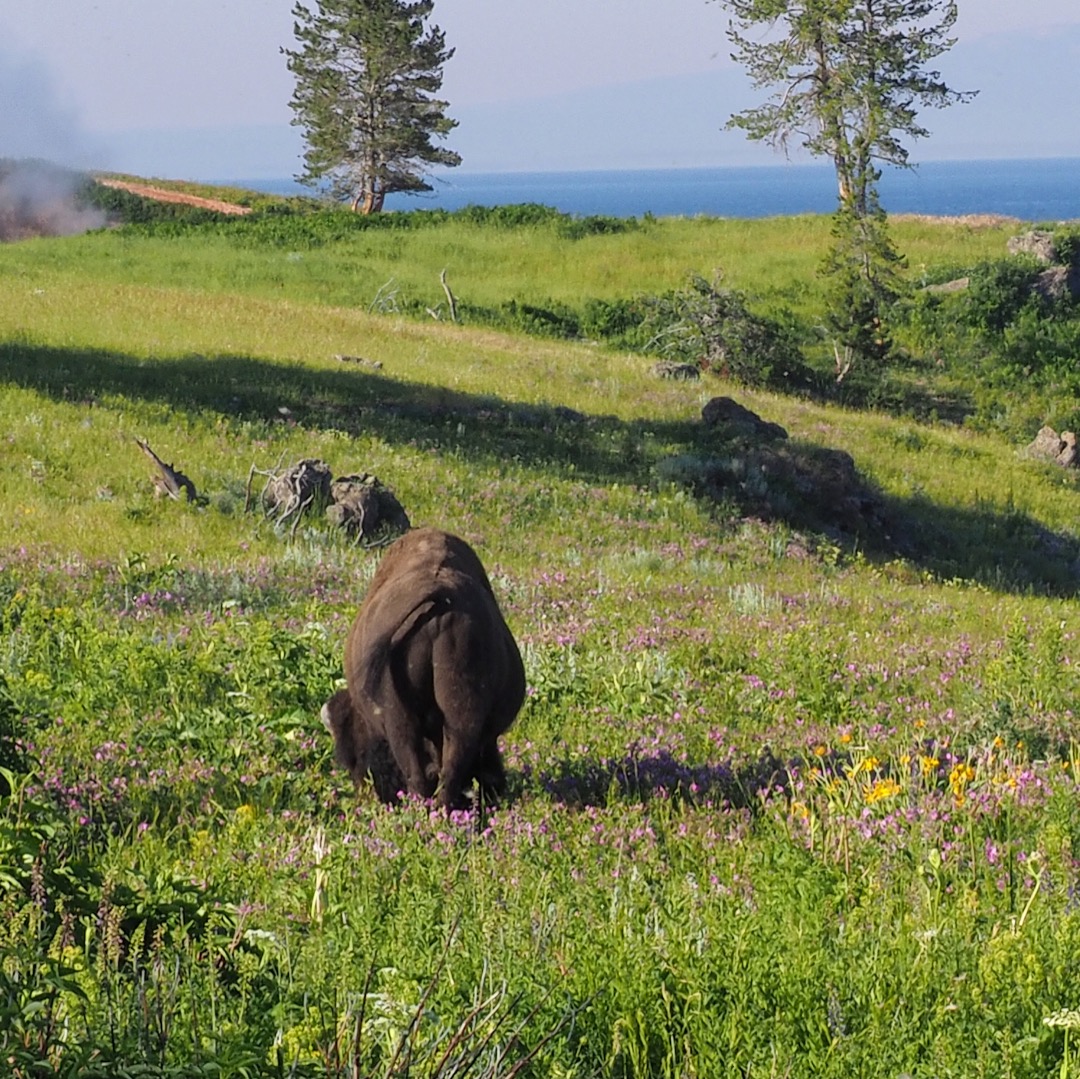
x: 199, y: 89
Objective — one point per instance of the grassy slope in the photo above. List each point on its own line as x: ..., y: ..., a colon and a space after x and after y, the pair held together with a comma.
x: 843, y: 928
x: 773, y: 258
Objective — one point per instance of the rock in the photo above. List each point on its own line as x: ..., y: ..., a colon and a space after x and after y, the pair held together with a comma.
x: 1046, y: 445
x: 738, y: 420
x: 671, y: 369
x: 1068, y: 458
x: 1058, y: 283
x: 958, y: 285
x: 1036, y: 242
x: 365, y: 508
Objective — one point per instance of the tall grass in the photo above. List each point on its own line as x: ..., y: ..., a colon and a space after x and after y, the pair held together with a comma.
x: 774, y: 258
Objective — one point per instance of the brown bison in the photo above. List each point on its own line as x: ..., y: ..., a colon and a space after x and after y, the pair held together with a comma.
x: 434, y: 675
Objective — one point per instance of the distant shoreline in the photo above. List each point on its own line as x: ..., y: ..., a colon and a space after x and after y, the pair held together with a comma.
x: 1030, y: 189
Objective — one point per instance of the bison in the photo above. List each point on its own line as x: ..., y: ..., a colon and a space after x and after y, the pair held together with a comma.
x: 434, y: 675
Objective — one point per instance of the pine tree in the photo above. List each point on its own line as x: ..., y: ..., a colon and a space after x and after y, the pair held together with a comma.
x: 849, y: 77
x: 367, y: 72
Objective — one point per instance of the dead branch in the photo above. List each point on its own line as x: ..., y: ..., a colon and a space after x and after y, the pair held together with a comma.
x: 449, y: 296
x: 167, y: 480
x: 844, y: 358
x: 287, y: 494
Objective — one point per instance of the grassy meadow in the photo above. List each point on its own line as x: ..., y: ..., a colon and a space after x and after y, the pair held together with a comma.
x: 786, y: 800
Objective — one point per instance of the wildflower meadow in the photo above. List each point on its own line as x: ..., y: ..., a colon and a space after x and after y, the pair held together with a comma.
x: 784, y: 800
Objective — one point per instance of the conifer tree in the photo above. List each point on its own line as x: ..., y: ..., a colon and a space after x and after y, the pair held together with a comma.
x: 848, y: 78
x: 367, y: 72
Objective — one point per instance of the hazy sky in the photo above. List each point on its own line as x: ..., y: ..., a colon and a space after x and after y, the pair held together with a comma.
x: 88, y: 78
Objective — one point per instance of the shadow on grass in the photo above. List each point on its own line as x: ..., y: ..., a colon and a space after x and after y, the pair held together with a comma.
x: 639, y: 778
x: 1005, y: 550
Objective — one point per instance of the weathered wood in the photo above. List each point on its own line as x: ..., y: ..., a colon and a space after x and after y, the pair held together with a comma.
x: 167, y: 480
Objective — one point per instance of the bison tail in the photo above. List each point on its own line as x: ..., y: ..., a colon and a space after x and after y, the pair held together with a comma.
x: 375, y: 660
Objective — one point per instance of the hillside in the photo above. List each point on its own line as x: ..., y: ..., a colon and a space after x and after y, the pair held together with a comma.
x: 793, y: 790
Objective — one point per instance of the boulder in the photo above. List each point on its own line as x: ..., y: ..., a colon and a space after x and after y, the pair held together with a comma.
x: 1068, y: 458
x: 956, y: 285
x: 1048, y: 445
x: 1036, y: 242
x: 739, y: 421
x: 1058, y: 283
x: 365, y: 508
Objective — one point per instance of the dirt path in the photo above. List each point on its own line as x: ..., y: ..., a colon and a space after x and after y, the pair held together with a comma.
x: 161, y: 194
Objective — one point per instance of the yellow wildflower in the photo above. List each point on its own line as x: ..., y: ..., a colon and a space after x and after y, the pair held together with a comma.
x: 881, y: 789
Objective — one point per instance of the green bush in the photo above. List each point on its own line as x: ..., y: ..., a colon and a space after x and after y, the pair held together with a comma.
x: 997, y: 292
x: 713, y: 326
x: 618, y: 322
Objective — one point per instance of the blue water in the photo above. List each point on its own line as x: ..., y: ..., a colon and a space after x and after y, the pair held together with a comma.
x: 1045, y: 189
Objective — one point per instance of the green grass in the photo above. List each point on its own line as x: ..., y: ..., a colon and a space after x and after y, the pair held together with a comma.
x: 775, y: 259
x: 784, y: 800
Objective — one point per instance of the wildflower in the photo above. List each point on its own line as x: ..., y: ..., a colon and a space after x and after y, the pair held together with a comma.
x: 960, y: 776
x: 880, y: 790
x: 1069, y: 1018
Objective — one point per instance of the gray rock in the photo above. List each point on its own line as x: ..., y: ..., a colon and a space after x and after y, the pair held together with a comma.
x: 365, y: 508
x: 1036, y: 242
x: 958, y: 285
x: 680, y: 371
x: 1046, y: 445
x: 1058, y: 283
x: 1068, y: 458
x: 738, y: 420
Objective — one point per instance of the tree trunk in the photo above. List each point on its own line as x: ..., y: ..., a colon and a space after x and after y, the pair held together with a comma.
x: 367, y: 202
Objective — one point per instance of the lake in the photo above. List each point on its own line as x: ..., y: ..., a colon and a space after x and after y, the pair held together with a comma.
x: 1044, y: 189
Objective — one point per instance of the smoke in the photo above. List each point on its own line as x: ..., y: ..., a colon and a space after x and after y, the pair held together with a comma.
x: 41, y: 199
x: 41, y: 146
x: 36, y: 120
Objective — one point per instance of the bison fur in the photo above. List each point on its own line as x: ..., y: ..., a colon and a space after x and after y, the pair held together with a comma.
x: 433, y: 676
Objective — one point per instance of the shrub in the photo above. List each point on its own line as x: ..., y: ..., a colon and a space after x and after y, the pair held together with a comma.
x: 577, y: 228
x: 706, y: 324
x: 998, y: 291
x: 619, y: 322
x: 519, y: 215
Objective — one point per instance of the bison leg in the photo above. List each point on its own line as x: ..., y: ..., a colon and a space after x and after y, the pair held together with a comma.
x: 490, y: 773
x: 457, y: 773
x: 414, y: 757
